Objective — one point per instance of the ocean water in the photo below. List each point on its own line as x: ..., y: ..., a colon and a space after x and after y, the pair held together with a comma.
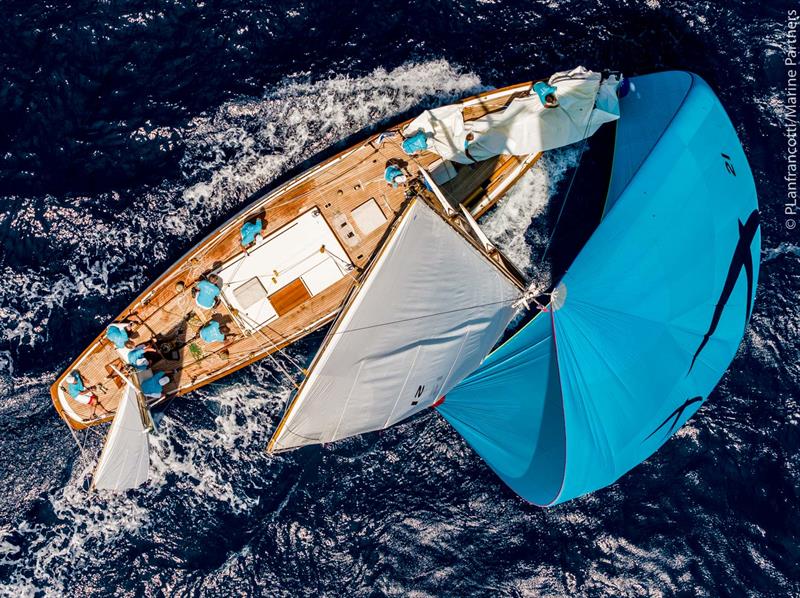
x: 129, y: 129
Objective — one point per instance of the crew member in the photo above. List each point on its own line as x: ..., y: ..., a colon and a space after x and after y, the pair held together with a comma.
x: 206, y: 294
x: 117, y: 333
x: 78, y: 391
x: 467, y: 140
x: 250, y: 232
x: 134, y: 355
x: 153, y: 387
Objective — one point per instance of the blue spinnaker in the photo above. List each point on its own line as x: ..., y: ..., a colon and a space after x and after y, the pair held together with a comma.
x: 647, y: 318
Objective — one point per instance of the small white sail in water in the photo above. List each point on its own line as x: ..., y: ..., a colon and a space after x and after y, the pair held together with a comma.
x: 125, y: 459
x: 429, y: 310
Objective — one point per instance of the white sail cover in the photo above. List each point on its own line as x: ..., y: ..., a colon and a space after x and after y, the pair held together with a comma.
x: 125, y: 459
x: 525, y: 126
x: 427, y: 314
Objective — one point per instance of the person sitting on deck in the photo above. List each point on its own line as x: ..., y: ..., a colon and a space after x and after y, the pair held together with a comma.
x: 153, y: 387
x: 467, y: 140
x: 77, y: 390
x: 546, y: 93
x: 117, y: 333
x: 213, y: 332
x: 394, y: 175
x: 206, y: 294
x: 250, y: 232
x: 134, y: 355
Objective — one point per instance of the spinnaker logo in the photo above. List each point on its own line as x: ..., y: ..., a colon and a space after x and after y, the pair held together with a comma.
x: 675, y: 417
x: 728, y: 164
x: 742, y: 260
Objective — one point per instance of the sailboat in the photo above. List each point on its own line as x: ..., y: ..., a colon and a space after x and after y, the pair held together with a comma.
x: 284, y: 265
x: 296, y: 257
x: 624, y: 347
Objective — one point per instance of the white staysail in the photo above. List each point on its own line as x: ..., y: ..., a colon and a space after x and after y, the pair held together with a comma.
x: 125, y: 459
x: 525, y: 126
x: 429, y: 310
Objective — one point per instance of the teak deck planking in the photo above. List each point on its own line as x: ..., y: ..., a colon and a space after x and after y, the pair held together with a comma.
x: 166, y: 312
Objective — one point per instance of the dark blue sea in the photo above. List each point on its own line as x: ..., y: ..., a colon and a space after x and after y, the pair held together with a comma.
x: 130, y: 129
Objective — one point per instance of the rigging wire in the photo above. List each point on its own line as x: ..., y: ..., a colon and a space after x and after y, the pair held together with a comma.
x: 286, y: 355
x: 564, y: 203
x: 276, y: 349
x: 584, y: 144
x: 78, y: 442
x: 351, y: 266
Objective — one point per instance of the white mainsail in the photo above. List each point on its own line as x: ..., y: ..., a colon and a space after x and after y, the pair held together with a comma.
x: 125, y: 459
x: 525, y: 126
x: 429, y: 310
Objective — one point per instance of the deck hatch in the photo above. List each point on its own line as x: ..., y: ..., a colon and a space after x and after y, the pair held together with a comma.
x: 286, y: 299
x: 250, y: 293
x: 368, y: 216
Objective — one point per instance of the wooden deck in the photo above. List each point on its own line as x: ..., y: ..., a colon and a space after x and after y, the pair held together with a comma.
x: 166, y: 313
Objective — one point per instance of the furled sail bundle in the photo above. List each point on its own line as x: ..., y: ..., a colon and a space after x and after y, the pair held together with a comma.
x: 645, y: 321
x: 125, y: 460
x: 526, y: 126
x: 430, y: 308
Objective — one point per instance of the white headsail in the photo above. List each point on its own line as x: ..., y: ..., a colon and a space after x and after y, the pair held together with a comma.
x: 125, y: 459
x: 525, y: 126
x: 429, y: 310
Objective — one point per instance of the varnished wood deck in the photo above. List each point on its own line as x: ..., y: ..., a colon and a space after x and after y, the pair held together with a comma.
x: 166, y: 312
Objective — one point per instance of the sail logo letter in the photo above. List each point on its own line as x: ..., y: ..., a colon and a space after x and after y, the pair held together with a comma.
x: 742, y: 260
